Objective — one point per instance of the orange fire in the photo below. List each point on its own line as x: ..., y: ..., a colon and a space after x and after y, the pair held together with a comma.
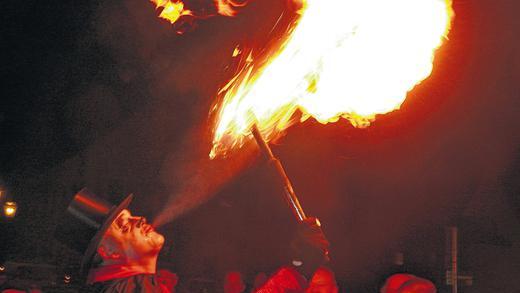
x: 228, y: 7
x: 350, y: 59
x: 172, y: 10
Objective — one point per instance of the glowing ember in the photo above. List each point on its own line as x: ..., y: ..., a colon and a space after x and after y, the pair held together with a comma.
x: 228, y: 7
x: 349, y: 59
x: 172, y: 10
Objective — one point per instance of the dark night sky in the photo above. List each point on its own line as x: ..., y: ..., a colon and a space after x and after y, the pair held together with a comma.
x: 105, y: 95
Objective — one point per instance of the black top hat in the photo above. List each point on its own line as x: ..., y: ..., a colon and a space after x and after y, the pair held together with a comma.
x: 86, y: 221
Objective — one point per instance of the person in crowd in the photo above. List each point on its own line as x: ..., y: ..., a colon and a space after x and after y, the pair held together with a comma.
x: 407, y: 283
x: 323, y: 281
x: 286, y: 280
x: 233, y: 282
x: 119, y: 249
x: 309, y: 250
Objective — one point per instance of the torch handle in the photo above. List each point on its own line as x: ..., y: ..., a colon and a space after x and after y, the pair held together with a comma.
x: 290, y: 195
x: 262, y: 144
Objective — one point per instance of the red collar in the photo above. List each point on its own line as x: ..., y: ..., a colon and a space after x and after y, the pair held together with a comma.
x: 105, y: 273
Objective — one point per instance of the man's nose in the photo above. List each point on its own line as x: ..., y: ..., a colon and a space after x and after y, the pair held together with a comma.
x: 141, y: 221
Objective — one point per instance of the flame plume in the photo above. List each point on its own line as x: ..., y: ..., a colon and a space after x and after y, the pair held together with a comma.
x: 350, y: 59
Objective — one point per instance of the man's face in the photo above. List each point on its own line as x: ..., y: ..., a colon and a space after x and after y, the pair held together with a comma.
x: 132, y: 238
x: 323, y: 281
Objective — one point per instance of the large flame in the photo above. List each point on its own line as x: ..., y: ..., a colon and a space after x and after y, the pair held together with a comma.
x: 349, y: 59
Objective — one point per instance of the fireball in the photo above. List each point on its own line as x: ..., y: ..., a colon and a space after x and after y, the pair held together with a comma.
x: 340, y: 60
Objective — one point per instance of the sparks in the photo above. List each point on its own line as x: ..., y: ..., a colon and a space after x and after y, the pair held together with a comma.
x: 173, y: 10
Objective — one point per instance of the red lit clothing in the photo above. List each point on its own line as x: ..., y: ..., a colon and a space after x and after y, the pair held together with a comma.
x: 285, y: 280
x: 407, y: 283
x: 114, y: 279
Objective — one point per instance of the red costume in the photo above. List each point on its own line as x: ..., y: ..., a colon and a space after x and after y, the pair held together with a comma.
x: 407, y: 283
x: 112, y: 280
x: 285, y: 280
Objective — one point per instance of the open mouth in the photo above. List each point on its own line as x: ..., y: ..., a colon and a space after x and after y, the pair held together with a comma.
x: 147, y: 229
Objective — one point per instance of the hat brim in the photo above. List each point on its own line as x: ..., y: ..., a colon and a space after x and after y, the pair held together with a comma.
x: 94, y: 242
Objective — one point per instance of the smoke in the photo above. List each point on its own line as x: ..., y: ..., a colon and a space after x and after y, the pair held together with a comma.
x: 195, y: 177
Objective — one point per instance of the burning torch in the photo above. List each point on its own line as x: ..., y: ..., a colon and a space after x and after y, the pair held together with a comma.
x: 330, y: 76
x: 325, y: 66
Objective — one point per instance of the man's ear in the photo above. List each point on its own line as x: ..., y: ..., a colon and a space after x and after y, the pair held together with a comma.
x: 107, y: 253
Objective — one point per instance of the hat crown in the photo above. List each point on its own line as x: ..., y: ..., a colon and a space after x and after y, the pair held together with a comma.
x: 89, y: 208
x: 84, y: 216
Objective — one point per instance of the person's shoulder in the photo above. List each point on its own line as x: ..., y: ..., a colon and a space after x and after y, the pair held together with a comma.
x: 285, y: 279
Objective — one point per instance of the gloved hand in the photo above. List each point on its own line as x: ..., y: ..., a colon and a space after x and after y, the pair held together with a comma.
x: 310, y: 247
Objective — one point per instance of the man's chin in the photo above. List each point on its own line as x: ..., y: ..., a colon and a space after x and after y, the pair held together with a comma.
x: 157, y: 240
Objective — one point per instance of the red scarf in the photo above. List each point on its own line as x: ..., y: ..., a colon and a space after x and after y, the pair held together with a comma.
x: 105, y: 273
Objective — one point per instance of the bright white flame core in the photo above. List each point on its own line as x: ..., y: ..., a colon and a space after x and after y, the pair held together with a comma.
x: 345, y: 58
